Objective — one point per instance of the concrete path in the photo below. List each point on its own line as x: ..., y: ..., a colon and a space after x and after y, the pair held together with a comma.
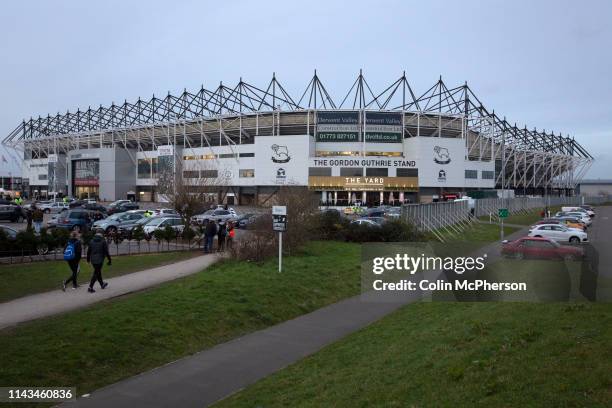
x: 55, y: 302
x: 213, y: 374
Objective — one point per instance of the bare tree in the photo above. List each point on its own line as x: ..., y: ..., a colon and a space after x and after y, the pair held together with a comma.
x: 190, y: 191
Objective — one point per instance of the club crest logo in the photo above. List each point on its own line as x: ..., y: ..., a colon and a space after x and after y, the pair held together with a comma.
x: 441, y: 155
x: 280, y: 154
x: 442, y: 175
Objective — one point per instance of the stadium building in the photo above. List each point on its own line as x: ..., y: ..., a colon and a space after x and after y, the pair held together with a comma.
x: 390, y: 146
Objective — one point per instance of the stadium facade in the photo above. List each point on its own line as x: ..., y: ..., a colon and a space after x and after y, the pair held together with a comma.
x: 389, y: 146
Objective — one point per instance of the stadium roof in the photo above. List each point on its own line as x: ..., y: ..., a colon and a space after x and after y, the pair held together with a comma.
x: 245, y: 98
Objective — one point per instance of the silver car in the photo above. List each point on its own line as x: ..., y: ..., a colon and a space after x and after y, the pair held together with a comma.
x: 216, y: 215
x: 112, y: 223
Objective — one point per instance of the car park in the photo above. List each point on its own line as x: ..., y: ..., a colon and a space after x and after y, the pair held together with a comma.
x: 559, y: 233
x: 112, y: 223
x: 540, y: 248
x: 244, y: 220
x: 160, y: 223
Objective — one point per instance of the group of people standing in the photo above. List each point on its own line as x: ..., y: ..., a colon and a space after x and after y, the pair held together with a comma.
x: 97, y: 251
x: 224, y: 231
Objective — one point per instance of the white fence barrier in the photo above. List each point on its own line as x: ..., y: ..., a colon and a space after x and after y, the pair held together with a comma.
x: 452, y: 217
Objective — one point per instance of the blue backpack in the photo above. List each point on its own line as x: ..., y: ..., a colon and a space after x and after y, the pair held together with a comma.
x: 69, y: 252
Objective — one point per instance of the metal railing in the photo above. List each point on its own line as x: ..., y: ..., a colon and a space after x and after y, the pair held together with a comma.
x: 446, y: 220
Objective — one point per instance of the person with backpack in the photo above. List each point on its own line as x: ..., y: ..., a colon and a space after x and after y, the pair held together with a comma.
x: 221, y: 234
x: 96, y: 252
x: 209, y: 235
x: 72, y: 255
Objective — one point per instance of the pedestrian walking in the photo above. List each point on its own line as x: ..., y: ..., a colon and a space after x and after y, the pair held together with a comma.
x: 37, y: 218
x: 221, y: 234
x: 231, y: 232
x: 29, y: 219
x: 72, y: 255
x: 96, y: 252
x: 209, y: 235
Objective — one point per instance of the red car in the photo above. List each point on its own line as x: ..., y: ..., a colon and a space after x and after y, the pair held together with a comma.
x: 540, y: 248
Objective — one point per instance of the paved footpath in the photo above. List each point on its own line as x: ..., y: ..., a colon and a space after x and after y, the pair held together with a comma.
x: 55, y: 302
x: 208, y: 376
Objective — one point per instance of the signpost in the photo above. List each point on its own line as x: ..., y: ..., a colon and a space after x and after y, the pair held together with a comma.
x: 503, y: 213
x: 279, y: 223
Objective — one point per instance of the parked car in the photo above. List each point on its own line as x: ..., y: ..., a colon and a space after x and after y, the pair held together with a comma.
x: 164, y: 211
x: 216, y: 215
x: 125, y: 230
x: 54, y: 207
x: 578, y: 215
x: 244, y: 220
x: 112, y: 223
x: 540, y: 248
x: 11, y: 212
x: 75, y: 219
x: 122, y: 207
x: 160, y: 223
x: 581, y: 216
x: 559, y: 233
x: 568, y: 222
x: 590, y: 210
x: 369, y: 221
x: 9, y: 246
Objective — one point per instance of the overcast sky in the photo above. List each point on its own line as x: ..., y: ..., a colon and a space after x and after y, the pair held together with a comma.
x: 544, y: 64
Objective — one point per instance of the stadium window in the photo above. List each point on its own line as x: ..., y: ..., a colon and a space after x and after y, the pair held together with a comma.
x: 384, y: 154
x: 321, y: 153
x: 144, y: 168
x: 320, y: 171
x: 471, y: 174
x: 351, y: 171
x: 377, y: 172
x: 191, y: 174
x: 407, y: 172
x: 228, y: 156
x: 244, y: 173
x: 247, y: 154
x: 42, y: 176
x: 209, y: 174
x: 488, y: 175
x: 209, y: 156
x: 190, y: 157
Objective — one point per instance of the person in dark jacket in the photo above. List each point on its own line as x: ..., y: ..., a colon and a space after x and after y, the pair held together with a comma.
x: 96, y: 252
x: 37, y: 217
x: 221, y: 234
x: 29, y: 219
x: 74, y: 262
x: 209, y: 235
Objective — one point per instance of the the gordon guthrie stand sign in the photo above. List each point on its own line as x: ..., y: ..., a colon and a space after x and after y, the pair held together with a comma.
x: 383, y: 127
x: 337, y: 126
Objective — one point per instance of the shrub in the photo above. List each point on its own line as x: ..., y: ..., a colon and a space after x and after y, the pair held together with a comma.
x: 330, y: 225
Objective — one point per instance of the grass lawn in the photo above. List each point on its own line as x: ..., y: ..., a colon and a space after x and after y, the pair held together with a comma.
x: 24, y: 279
x: 528, y: 218
x: 476, y: 233
x: 456, y: 354
x: 116, y: 339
